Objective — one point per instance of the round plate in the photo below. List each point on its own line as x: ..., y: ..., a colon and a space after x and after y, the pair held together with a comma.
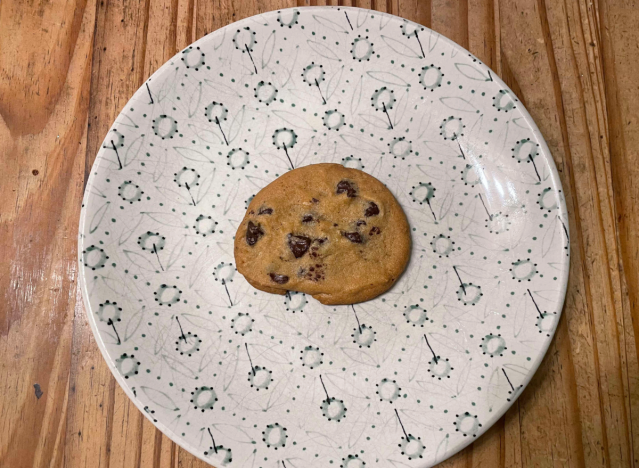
x: 242, y: 378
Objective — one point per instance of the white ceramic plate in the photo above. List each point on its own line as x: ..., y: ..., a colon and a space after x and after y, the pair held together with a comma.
x: 242, y: 378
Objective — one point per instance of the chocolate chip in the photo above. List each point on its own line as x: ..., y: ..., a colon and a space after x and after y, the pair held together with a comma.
x: 253, y: 233
x: 354, y: 237
x: 372, y: 210
x: 298, y: 244
x: 344, y: 186
x: 335, y: 224
x: 279, y: 279
x: 314, y: 200
x: 375, y: 230
x: 307, y: 219
x: 361, y: 222
x: 265, y: 211
x: 320, y: 241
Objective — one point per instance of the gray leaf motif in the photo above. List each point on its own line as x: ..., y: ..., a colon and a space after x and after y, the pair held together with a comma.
x: 195, y: 99
x: 139, y: 260
x: 359, y: 356
x: 551, y: 236
x: 471, y: 72
x: 443, y: 149
x: 432, y: 40
x: 436, y: 172
x: 463, y: 377
x: 234, y: 432
x: 375, y: 121
x: 488, y: 244
x: 205, y: 322
x: 254, y: 403
x: 475, y: 272
x: 322, y: 439
x: 461, y: 315
x: 305, y: 151
x: 133, y: 323
x: 417, y: 417
x: 97, y: 217
x: 193, y: 155
x: 129, y: 230
x: 550, y: 295
x: 388, y: 78
x: 446, y: 204
x: 400, y: 108
x: 523, y: 309
x: 419, y: 356
x: 229, y: 368
x: 495, y: 390
x: 261, y: 124
x: 521, y: 123
x: 433, y: 387
x: 473, y: 214
x: 359, y: 144
x: 401, y: 47
x: 117, y: 286
x: 448, y: 343
x: 458, y: 104
x: 160, y: 398
x: 345, y: 387
x: 166, y: 219
x: 334, y: 82
x: 267, y: 51
x: 236, y: 124
x: 362, y: 16
x: 125, y: 120
x: 210, y: 354
x: 160, y: 165
x: 174, y: 196
x: 357, y: 95
x: 199, y: 266
x: 132, y: 151
x: 259, y: 182
x: 178, y: 366
x: 295, y: 121
x: 283, y: 326
x: 359, y: 426
x: 205, y: 186
x: 384, y: 20
x: 330, y: 24
x: 521, y: 370
x: 161, y: 337
x: 221, y: 88
x: 230, y: 199
x: 176, y: 251
x: 168, y: 86
x: 205, y: 135
x: 442, y: 449
x: 398, y: 463
x: 267, y: 353
x: 323, y: 50
x: 441, y: 286
x: 424, y: 124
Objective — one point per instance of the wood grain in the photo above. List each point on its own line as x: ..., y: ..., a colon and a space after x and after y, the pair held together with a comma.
x: 67, y: 69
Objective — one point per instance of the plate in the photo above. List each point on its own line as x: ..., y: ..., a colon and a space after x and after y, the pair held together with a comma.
x: 243, y: 378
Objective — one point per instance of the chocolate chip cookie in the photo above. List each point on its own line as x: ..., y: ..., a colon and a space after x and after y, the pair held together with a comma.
x: 325, y: 230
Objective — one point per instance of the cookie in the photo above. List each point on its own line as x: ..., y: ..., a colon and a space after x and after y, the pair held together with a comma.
x: 335, y: 233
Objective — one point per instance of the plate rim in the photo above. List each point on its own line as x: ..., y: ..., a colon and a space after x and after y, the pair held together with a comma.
x: 554, y: 177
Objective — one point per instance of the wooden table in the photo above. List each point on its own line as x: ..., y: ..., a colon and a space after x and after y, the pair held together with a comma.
x: 66, y: 70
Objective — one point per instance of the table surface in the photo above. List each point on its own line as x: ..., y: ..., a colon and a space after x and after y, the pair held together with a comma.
x: 68, y: 67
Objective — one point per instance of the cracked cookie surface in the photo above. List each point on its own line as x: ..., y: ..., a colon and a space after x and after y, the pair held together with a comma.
x: 335, y: 233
